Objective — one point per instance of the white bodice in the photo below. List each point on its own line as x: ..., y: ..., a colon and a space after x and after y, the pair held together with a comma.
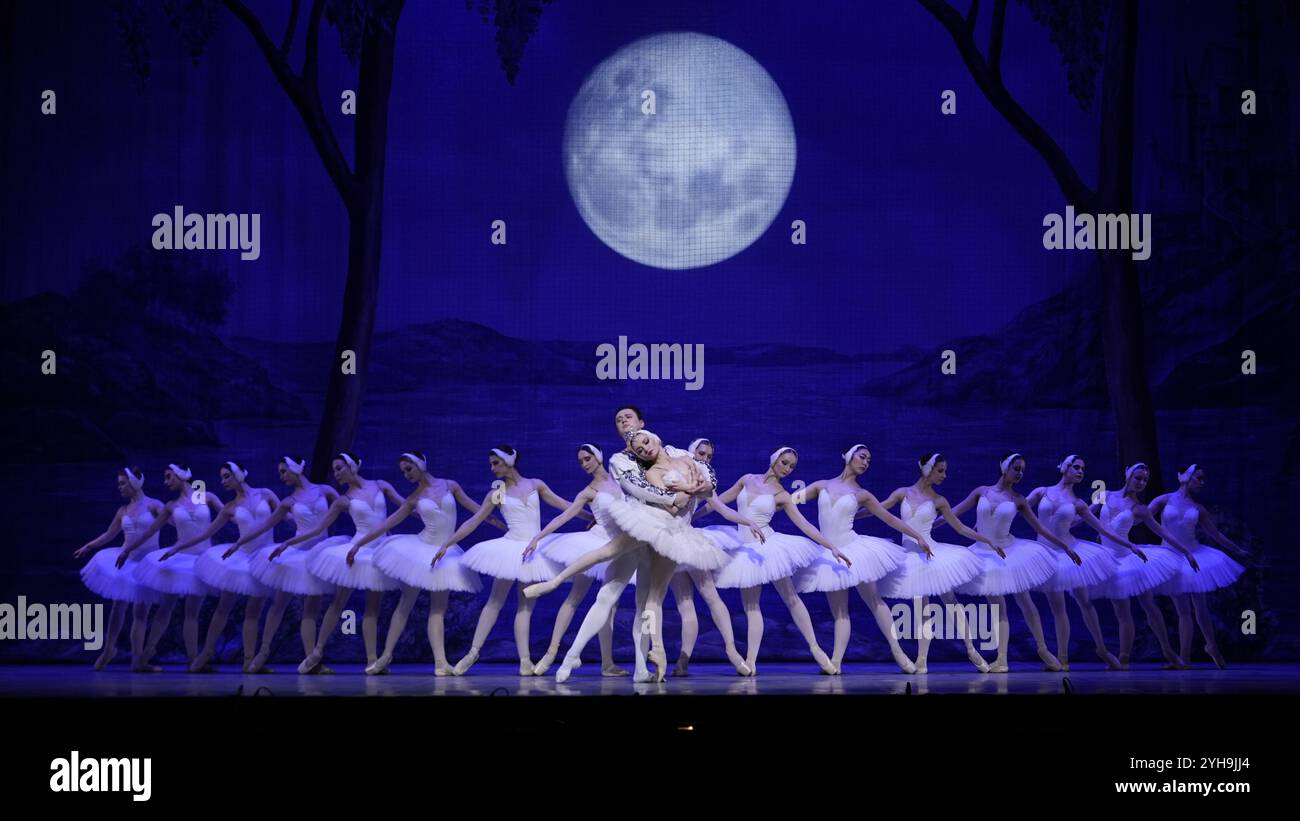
x: 835, y: 517
x: 368, y: 515
x: 439, y: 517
x: 994, y: 520
x: 134, y: 525
x: 190, y: 521
x: 1181, y: 522
x: 523, y: 516
x: 760, y: 507
x: 919, y: 518
x: 247, y: 521
x: 1057, y: 517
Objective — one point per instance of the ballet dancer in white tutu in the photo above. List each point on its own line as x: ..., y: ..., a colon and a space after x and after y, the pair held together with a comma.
x: 777, y: 558
x: 519, y: 499
x: 225, y: 567
x: 1119, y: 511
x: 190, y: 514
x: 870, y: 557
x: 340, y: 562
x: 1206, y: 569
x: 931, y: 568
x: 1012, y: 566
x: 408, y: 558
x: 306, y: 505
x: 117, y: 582
x: 1059, y: 510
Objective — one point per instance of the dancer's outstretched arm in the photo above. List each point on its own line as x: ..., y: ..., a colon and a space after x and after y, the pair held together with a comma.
x: 889, y: 501
x: 1025, y: 509
x: 787, y: 504
x: 488, y: 504
x: 558, y: 502
x: 160, y: 519
x: 281, y: 510
x: 335, y: 510
x: 469, y: 504
x: 1206, y: 521
x: 555, y: 524
x: 941, y: 504
x: 1084, y: 513
x: 405, y: 509
x: 714, y: 504
x: 227, y: 511
x: 969, y: 502
x: 1143, y: 515
x: 104, y: 538
x: 868, y: 500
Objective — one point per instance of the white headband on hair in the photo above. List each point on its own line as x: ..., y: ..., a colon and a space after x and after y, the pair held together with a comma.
x: 508, y: 458
x: 928, y: 465
x: 1129, y: 471
x: 695, y: 444
x: 293, y: 467
x: 776, y: 454
x: 1187, y: 474
x: 355, y: 464
x: 238, y: 472
x: 848, y: 454
x: 137, y: 482
x: 595, y: 451
x: 180, y: 472
x: 1006, y: 463
x: 416, y: 460
x: 1069, y: 460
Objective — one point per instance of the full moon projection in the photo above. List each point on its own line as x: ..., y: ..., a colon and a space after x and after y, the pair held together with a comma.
x: 679, y: 150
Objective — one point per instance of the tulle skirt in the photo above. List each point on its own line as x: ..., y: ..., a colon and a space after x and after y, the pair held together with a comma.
x: 174, y: 577
x: 328, y: 561
x: 1027, y: 566
x: 288, y: 572
x: 1098, y: 566
x: 951, y: 567
x: 1134, y: 576
x: 1218, y: 569
x: 567, y: 548
x: 780, y: 557
x: 872, y: 559
x: 407, y: 558
x: 102, y: 575
x: 233, y: 575
x: 503, y: 558
x: 671, y: 536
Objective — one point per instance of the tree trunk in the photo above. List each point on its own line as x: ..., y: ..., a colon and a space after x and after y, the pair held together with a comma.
x: 342, y: 412
x: 1122, y: 338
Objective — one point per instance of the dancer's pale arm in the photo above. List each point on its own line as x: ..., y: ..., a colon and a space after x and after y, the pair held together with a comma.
x: 867, y: 500
x: 1092, y: 521
x: 1206, y: 521
x: 281, y: 510
x: 396, y: 518
x: 472, y: 506
x: 792, y: 510
x: 941, y: 504
x: 104, y: 538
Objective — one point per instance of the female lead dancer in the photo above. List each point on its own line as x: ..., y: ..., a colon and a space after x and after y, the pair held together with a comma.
x: 407, y: 558
x: 117, y: 583
x: 1208, y: 567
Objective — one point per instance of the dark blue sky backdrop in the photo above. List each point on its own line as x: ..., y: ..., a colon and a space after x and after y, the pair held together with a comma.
x: 919, y: 225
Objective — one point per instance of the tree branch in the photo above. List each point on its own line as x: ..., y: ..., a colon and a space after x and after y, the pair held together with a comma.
x: 990, y: 83
x: 995, y: 38
x: 287, y: 41
x: 972, y: 14
x: 303, y: 94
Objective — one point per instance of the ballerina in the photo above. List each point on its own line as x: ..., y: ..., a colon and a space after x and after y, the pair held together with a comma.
x: 567, y: 548
x: 1058, y: 508
x: 116, y: 582
x: 872, y: 558
x: 176, y: 578
x: 407, y: 558
x: 1208, y: 568
x: 307, y: 505
x: 1120, y: 510
x: 777, y: 558
x: 341, y: 562
x: 931, y: 568
x: 503, y: 558
x: 225, y: 567
x: 1011, y: 566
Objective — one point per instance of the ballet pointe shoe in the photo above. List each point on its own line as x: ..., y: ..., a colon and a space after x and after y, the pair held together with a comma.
x: 141, y: 667
x: 442, y: 668
x: 823, y: 661
x: 659, y: 659
x: 526, y: 668
x: 738, y: 661
x: 310, y: 663
x: 921, y: 667
x: 1173, y: 661
x: 105, y: 658
x: 683, y: 667
x: 462, y: 666
x: 258, y: 664
x: 566, y: 669
x: 544, y: 663
x: 1123, y: 662
x: 1108, y: 659
x: 533, y: 591
x: 904, y: 663
x: 1213, y: 652
x: 379, y: 666
x: 200, y: 663
x: 322, y: 670
x: 1050, y: 662
x: 612, y: 671
x: 1000, y: 666
x: 977, y: 660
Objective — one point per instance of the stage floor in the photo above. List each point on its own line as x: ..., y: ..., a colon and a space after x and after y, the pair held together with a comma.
x: 775, y: 679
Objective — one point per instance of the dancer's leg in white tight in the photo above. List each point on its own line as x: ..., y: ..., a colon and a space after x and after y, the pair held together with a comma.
x: 927, y: 633
x: 396, y: 625
x: 1124, y: 620
x: 1061, y: 620
x: 661, y: 570
x: 437, y: 638
x: 1001, y: 665
x: 1156, y: 621
x: 487, y: 618
x: 880, y: 612
x: 750, y: 599
x: 1206, y: 623
x: 253, y: 608
x: 563, y: 618
x: 370, y: 624
x: 684, y: 596
x: 1093, y: 622
x: 803, y: 621
x: 640, y: 641
x: 967, y: 634
x: 139, y: 632
x: 703, y: 580
x: 225, y: 603
x: 607, y: 552
x: 1186, y: 627
x: 327, y: 625
x: 1030, y: 611
x: 116, y: 618
x: 274, y: 616
x: 162, y: 615
x: 307, y: 627
x: 523, y: 623
x: 601, y: 612
x: 839, y: 604
x: 190, y: 626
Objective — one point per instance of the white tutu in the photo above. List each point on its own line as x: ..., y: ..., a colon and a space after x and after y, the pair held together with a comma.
x: 567, y: 548
x: 753, y: 564
x: 1134, y: 576
x: 1027, y: 566
x: 1098, y: 566
x: 503, y: 558
x: 328, y: 561
x: 288, y: 572
x: 670, y: 536
x: 408, y: 559
x: 174, y: 577
x: 233, y: 575
x: 102, y: 575
x: 1218, y: 569
x: 872, y: 559
x: 951, y: 567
